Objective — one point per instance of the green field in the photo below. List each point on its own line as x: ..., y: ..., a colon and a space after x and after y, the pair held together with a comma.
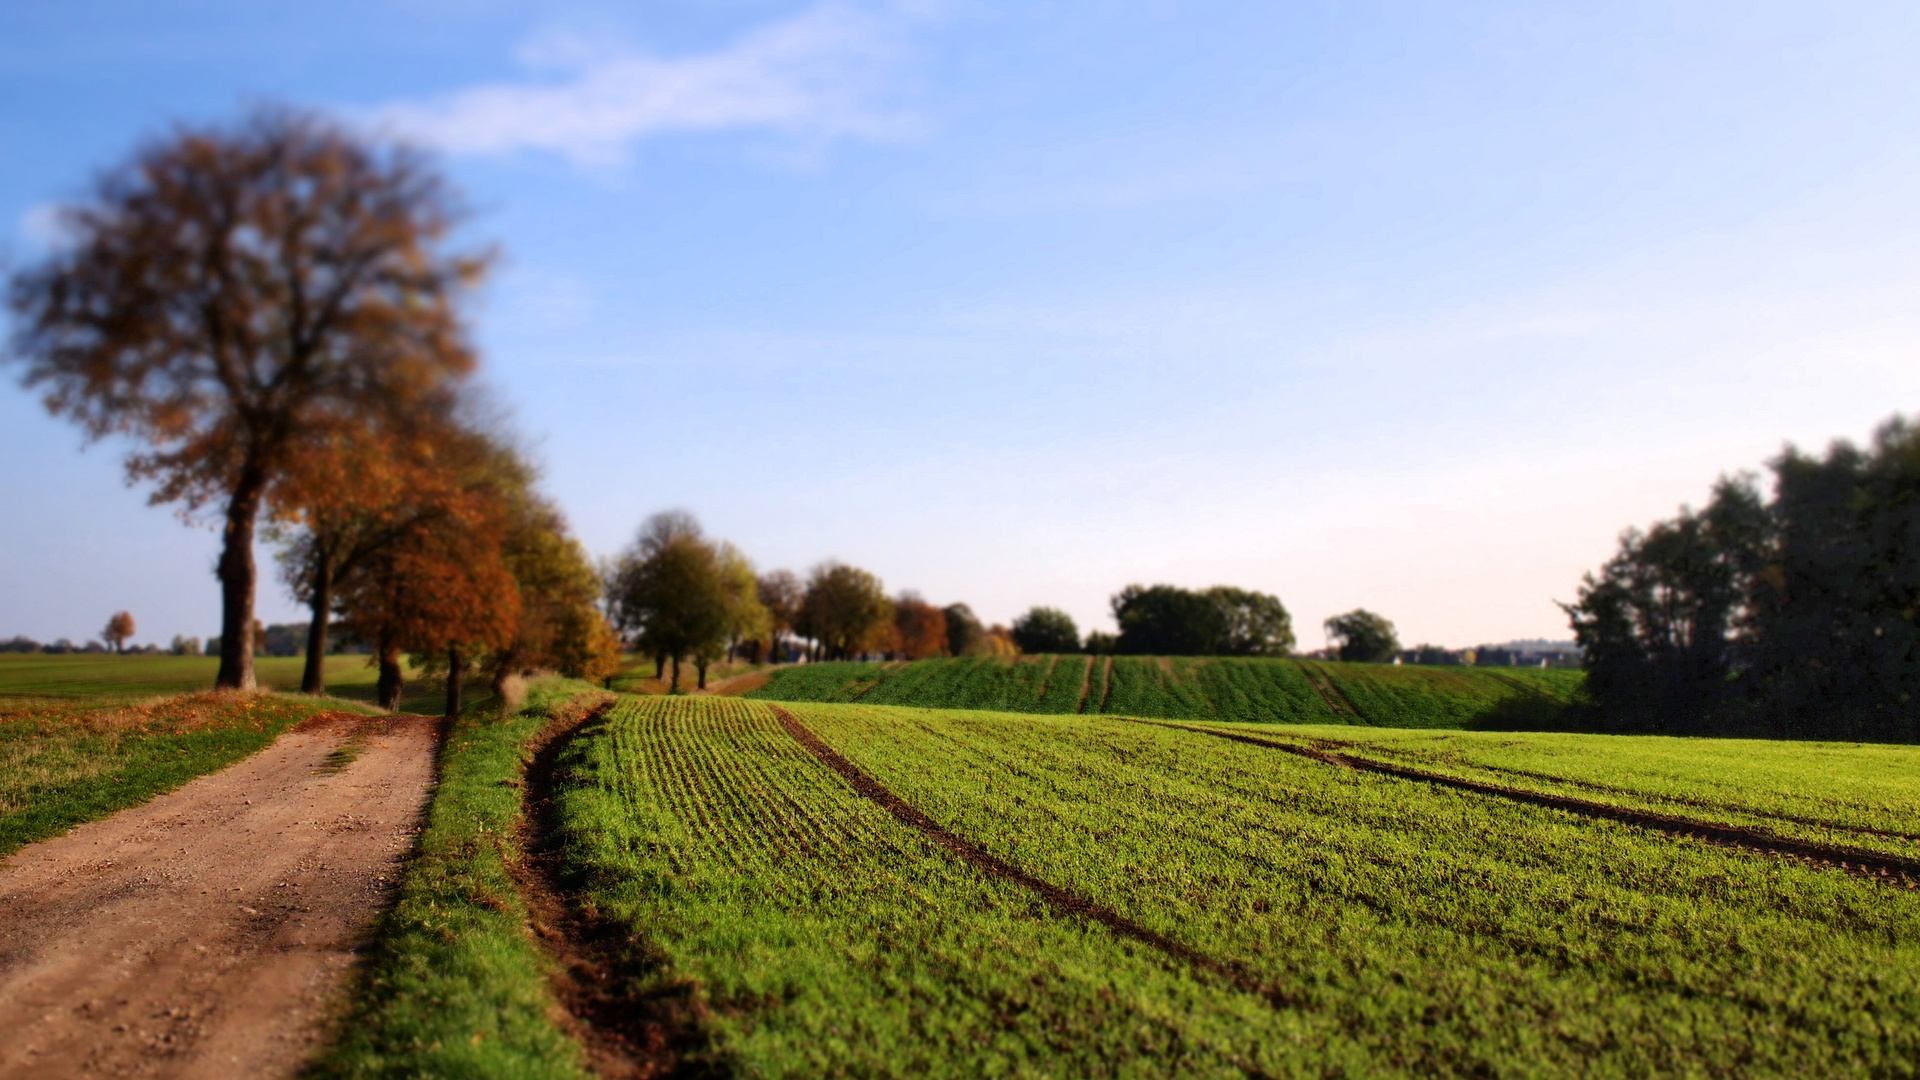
x: 1403, y: 928
x: 106, y: 678
x: 1260, y: 689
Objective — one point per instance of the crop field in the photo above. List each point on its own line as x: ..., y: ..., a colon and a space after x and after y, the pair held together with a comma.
x: 873, y: 890
x: 1863, y: 795
x: 63, y: 764
x: 1270, y: 690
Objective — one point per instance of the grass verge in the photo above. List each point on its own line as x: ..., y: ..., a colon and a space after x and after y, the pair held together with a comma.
x: 68, y: 763
x: 455, y: 986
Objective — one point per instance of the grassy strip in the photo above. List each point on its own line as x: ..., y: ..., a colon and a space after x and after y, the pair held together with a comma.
x: 456, y: 987
x: 61, y: 765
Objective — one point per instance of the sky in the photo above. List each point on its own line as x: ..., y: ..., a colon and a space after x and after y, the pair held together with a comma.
x: 1409, y: 306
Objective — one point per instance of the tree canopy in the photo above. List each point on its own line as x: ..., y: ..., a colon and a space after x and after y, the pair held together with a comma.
x: 1045, y: 630
x: 846, y: 610
x: 1363, y: 637
x: 237, y: 298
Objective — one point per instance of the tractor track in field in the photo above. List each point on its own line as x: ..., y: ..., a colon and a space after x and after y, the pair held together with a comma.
x: 1056, y: 897
x: 628, y: 1027
x: 1874, y: 866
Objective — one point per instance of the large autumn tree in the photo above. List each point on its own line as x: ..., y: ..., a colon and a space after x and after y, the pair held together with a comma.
x: 235, y: 297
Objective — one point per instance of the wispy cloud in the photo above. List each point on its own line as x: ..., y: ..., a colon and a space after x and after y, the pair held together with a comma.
x: 826, y: 73
x: 46, y: 228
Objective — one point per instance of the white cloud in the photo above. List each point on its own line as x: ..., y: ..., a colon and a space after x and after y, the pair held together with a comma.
x: 45, y: 228
x: 822, y: 74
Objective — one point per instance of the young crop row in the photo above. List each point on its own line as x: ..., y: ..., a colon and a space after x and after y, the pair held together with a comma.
x: 1852, y: 794
x: 828, y: 939
x: 1270, y: 690
x: 1406, y: 928
x: 1453, y: 932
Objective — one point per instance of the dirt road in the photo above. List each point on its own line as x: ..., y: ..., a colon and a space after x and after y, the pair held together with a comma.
x: 206, y: 933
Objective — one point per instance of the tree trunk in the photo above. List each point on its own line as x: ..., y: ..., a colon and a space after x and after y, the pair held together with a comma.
x: 700, y: 666
x: 392, y: 681
x: 676, y: 675
x: 660, y: 664
x: 456, y: 670
x: 237, y: 581
x: 314, y: 680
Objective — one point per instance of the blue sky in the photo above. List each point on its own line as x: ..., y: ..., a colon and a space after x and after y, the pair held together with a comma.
x: 1410, y: 306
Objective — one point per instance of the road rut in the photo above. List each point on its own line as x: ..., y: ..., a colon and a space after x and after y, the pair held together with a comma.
x: 207, y: 932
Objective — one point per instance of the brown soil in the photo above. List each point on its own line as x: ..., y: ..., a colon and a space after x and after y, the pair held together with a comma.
x: 630, y: 1025
x: 1891, y: 869
x: 1056, y: 897
x: 738, y: 685
x: 205, y: 933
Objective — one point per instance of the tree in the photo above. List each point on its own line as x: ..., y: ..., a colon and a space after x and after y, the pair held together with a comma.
x: 560, y: 625
x: 845, y: 609
x: 965, y: 635
x: 1166, y: 620
x: 1363, y: 637
x: 747, y: 619
x: 1657, y: 627
x: 780, y: 594
x: 919, y: 628
x: 1832, y: 631
x: 1046, y: 630
x: 440, y: 585
x: 1257, y: 624
x: 119, y: 629
x: 237, y: 297
x: 668, y: 591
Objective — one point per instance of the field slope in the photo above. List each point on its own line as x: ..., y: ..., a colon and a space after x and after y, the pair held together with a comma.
x: 863, y: 889
x: 1260, y: 689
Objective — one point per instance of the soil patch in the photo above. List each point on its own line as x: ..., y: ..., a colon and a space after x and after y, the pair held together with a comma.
x: 1890, y: 869
x: 205, y: 933
x: 629, y: 1024
x: 1056, y: 897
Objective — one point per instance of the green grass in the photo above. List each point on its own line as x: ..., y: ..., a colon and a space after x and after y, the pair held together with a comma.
x: 455, y: 987
x: 64, y: 764
x: 105, y: 678
x: 1219, y: 688
x: 1418, y: 930
x: 1864, y: 795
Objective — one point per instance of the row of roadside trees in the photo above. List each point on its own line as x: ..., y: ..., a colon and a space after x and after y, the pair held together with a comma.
x: 271, y: 312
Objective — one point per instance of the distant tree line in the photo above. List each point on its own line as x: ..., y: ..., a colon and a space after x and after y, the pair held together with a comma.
x: 1794, y: 615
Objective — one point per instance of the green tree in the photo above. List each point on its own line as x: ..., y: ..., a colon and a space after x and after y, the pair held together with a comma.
x: 1046, y: 630
x: 1166, y: 620
x: 668, y: 590
x: 966, y: 636
x: 1362, y: 636
x: 846, y: 610
x: 1658, y: 625
x: 1257, y: 624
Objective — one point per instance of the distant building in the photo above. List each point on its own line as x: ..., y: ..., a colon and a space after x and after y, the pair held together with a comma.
x: 1531, y: 652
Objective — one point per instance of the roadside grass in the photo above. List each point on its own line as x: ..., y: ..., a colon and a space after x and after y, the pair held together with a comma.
x: 67, y: 763
x: 454, y: 985
x: 1252, y: 689
x: 1408, y: 929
